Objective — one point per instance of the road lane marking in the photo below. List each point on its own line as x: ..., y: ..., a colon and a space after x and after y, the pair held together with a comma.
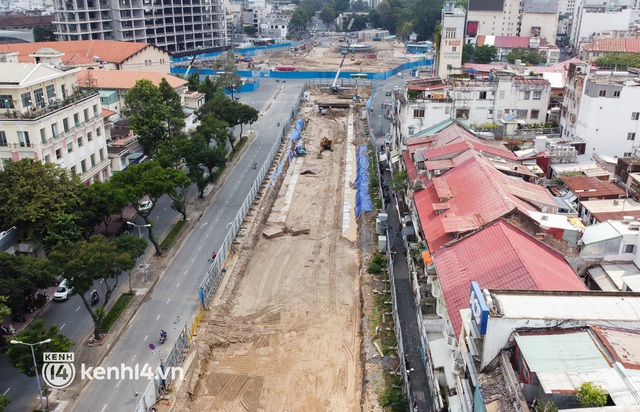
x: 208, y: 235
x: 145, y: 339
x: 158, y: 317
x: 118, y: 384
x: 78, y: 308
x: 62, y: 326
x: 103, y: 408
x: 168, y: 300
x: 5, y: 392
x: 134, y: 356
x: 203, y: 224
x: 186, y: 271
x: 200, y: 248
x: 229, y: 224
x: 178, y: 284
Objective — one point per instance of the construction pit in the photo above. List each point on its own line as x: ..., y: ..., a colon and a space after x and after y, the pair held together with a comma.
x: 285, y: 330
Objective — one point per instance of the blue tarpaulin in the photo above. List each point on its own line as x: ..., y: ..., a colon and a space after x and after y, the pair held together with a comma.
x: 299, y: 124
x: 363, y: 200
x: 276, y: 173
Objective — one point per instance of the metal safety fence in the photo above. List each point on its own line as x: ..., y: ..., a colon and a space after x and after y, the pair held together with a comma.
x: 209, y: 285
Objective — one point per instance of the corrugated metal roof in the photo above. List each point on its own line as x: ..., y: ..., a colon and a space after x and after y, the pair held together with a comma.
x: 581, y: 306
x: 599, y: 233
x: 123, y: 79
x: 592, y: 187
x: 540, y: 6
x: 573, y: 352
x: 499, y: 257
x: 14, y: 73
x: 510, y: 42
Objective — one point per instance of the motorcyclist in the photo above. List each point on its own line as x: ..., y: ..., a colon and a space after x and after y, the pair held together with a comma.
x: 255, y: 164
x: 94, y: 296
x: 163, y: 334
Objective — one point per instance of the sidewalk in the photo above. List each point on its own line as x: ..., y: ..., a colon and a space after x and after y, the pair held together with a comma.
x: 419, y: 393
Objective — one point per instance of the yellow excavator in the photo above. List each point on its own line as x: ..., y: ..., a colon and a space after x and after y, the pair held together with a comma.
x: 325, y: 144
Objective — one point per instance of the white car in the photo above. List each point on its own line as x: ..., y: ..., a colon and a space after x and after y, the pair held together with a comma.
x: 145, y: 207
x: 63, y: 291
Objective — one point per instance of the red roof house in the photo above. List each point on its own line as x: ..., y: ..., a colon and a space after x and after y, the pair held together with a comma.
x: 499, y: 256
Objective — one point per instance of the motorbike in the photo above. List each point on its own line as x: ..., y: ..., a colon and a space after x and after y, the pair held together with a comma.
x: 254, y: 165
x: 19, y: 317
x: 9, y: 330
x: 163, y: 336
x: 94, y: 297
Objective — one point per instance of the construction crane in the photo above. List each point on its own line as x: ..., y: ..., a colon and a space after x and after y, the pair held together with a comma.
x: 186, y: 74
x: 334, y: 87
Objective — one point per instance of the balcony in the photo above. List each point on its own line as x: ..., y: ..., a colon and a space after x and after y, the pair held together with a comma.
x: 83, y: 94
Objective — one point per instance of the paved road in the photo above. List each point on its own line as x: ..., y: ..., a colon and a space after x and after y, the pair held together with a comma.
x: 174, y: 300
x: 73, y: 320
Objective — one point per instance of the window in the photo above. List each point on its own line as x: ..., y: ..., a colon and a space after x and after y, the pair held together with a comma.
x: 69, y: 147
x: 72, y: 170
x: 527, y: 95
x: 482, y: 96
x: 98, y: 131
x: 522, y: 114
x: 101, y: 151
x: 23, y: 137
x: 450, y: 33
x: 535, y: 114
x: 3, y: 139
x: 26, y: 99
x: 162, y: 60
x: 80, y: 141
x: 602, y: 93
x: 635, y: 115
x: 626, y: 154
x: 58, y: 154
x: 489, y: 113
x: 43, y: 135
x: 616, y: 93
x: 83, y: 166
x: 418, y: 113
x: 631, y: 136
x: 629, y: 249
x: 537, y: 95
x: 65, y: 124
x: 51, y: 92
x: 89, y: 137
x: 47, y: 158
x: 95, y: 110
x: 76, y: 119
x: 6, y: 101
x: 93, y: 160
x: 39, y: 96
x: 54, y: 129
x: 86, y: 115
x: 412, y: 130
x: 63, y: 91
x: 147, y: 62
x: 501, y: 94
x: 499, y: 114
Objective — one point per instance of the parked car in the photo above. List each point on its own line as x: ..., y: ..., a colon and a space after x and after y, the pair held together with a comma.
x: 145, y: 207
x: 388, y: 93
x: 62, y: 292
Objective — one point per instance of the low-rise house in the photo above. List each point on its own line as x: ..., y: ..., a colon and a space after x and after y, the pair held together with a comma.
x: 604, y: 47
x: 507, y: 44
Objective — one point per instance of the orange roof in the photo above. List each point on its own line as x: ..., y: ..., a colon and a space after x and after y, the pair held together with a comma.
x: 80, y: 51
x: 614, y: 45
x: 119, y: 79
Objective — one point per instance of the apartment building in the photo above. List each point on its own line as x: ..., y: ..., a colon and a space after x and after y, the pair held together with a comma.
x: 450, y: 53
x: 45, y: 116
x: 173, y: 25
x: 591, y: 17
x: 600, y: 109
x: 534, y: 18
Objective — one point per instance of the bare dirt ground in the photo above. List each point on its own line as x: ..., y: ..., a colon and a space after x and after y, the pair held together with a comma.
x: 286, y: 334
x: 322, y: 58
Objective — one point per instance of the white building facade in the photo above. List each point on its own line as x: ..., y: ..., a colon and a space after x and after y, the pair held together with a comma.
x: 45, y: 116
x: 605, y: 113
x: 590, y: 19
x: 450, y: 53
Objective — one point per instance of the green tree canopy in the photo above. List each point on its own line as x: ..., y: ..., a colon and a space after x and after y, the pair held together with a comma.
x: 467, y: 53
x: 530, y: 57
x: 249, y: 30
x: 33, y: 192
x: 20, y: 356
x: 41, y: 34
x: 328, y: 14
x: 485, y: 54
x: 590, y: 395
x: 619, y: 61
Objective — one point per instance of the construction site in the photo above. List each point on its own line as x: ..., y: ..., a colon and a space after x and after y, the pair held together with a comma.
x: 287, y: 329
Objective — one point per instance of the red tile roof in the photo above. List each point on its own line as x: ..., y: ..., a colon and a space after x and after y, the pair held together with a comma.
x: 121, y: 79
x: 614, y: 45
x: 499, y: 257
x: 478, y: 194
x: 587, y: 187
x: 507, y: 42
x: 79, y: 52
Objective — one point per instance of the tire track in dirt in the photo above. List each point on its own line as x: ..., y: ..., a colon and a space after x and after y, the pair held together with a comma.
x: 238, y: 399
x: 265, y: 276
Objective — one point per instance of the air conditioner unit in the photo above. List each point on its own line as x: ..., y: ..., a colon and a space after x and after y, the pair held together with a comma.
x: 544, y: 217
x: 627, y: 219
x: 634, y: 225
x: 437, y: 172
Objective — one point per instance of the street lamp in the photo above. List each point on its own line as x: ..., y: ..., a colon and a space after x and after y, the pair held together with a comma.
x: 144, y: 265
x: 35, y: 365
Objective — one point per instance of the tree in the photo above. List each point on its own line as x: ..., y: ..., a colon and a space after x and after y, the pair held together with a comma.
x: 485, y: 54
x: 359, y: 5
x: 96, y: 259
x: 149, y: 180
x: 619, y: 61
x: 41, y: 34
x: 4, y: 402
x: 327, y: 15
x: 20, y: 356
x: 531, y: 57
x: 425, y: 15
x: 590, y: 395
x: 544, y: 405
x: 130, y: 248
x: 467, y: 53
x: 33, y: 192
x: 63, y: 228
x: 4, y: 311
x: 208, y: 88
x: 359, y: 23
x: 386, y: 19
x: 155, y: 113
x: 221, y: 107
x: 194, y: 81
x: 246, y: 115
x: 229, y: 79
x: 20, y: 278
x: 249, y: 30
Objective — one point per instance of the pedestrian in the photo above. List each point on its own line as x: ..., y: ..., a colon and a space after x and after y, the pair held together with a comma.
x: 213, y: 257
